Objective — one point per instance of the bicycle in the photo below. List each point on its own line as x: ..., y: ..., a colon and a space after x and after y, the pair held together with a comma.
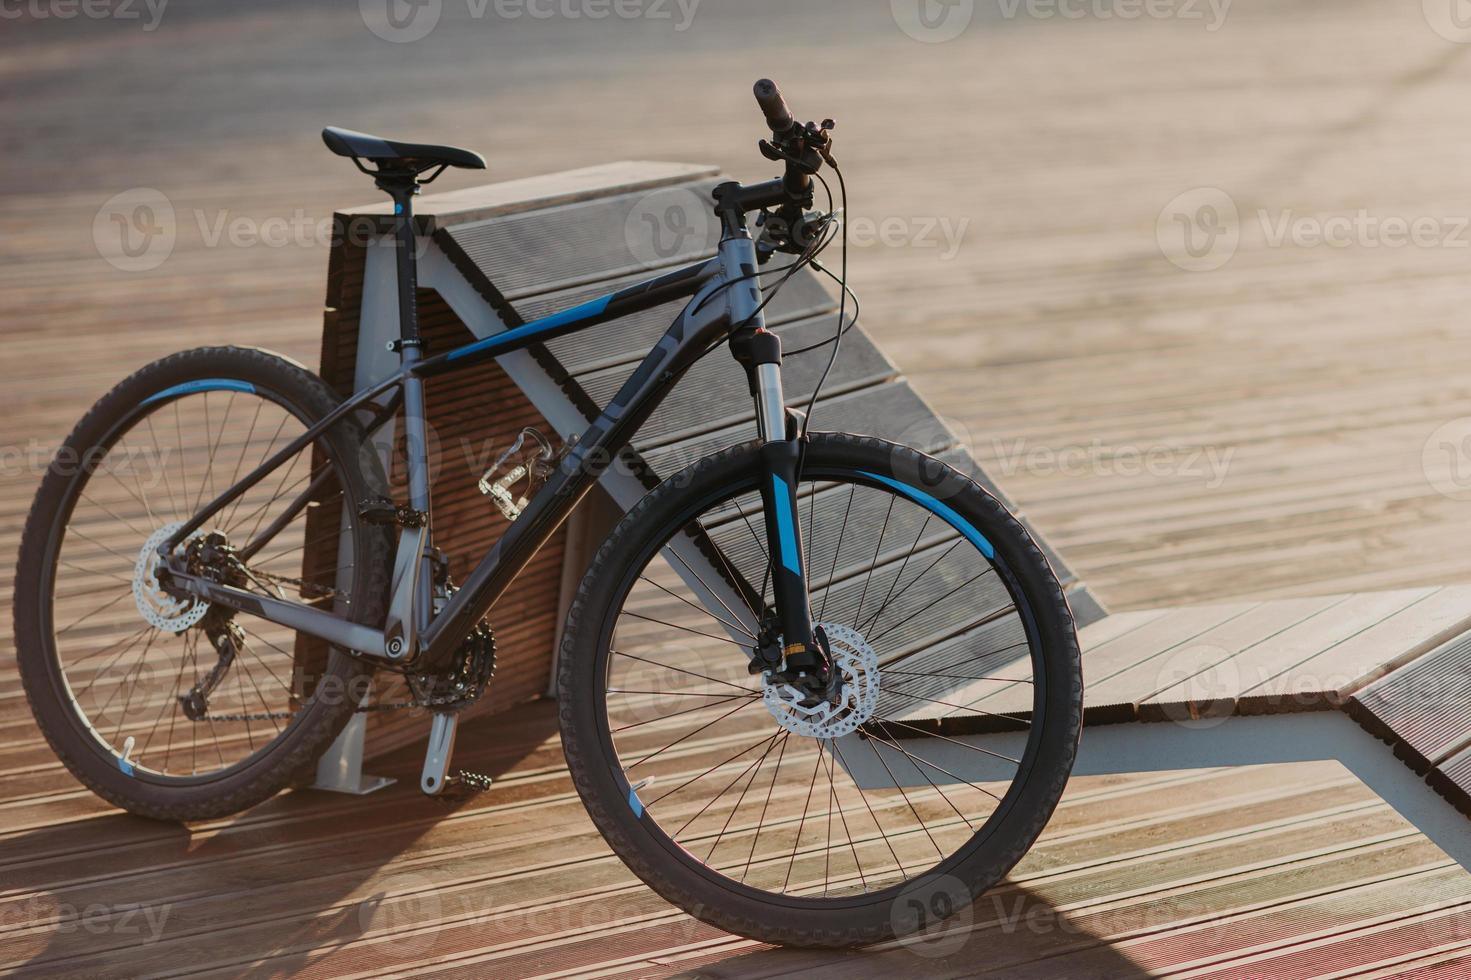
x: 780, y: 597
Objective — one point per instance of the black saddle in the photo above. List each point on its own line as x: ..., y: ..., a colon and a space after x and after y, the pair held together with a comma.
x: 391, y: 155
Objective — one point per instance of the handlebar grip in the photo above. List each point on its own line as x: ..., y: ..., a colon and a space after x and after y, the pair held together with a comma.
x: 768, y: 97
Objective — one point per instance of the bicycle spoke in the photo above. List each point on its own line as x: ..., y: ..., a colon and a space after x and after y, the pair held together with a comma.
x: 676, y: 714
x: 680, y: 670
x: 700, y: 608
x: 958, y: 707
x: 873, y: 562
x: 874, y: 619
x: 691, y: 734
x: 837, y: 549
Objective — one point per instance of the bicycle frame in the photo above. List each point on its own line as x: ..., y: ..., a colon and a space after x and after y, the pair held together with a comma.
x: 725, y: 301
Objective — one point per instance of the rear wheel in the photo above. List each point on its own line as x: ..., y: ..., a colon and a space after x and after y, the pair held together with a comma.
x: 162, y: 704
x: 843, y: 822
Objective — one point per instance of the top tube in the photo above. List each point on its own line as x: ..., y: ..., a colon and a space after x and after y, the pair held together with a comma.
x: 643, y: 295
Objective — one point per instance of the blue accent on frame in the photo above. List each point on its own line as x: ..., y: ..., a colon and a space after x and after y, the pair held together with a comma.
x: 206, y: 384
x: 785, y: 527
x: 582, y: 311
x: 940, y: 510
x: 635, y: 803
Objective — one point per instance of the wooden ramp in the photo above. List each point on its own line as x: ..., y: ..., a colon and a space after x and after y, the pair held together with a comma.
x: 1246, y: 683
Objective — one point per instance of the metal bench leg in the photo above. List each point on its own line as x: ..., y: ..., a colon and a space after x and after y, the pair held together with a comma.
x: 340, y: 769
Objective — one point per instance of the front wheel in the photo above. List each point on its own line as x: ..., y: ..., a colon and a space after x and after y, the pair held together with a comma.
x: 859, y: 818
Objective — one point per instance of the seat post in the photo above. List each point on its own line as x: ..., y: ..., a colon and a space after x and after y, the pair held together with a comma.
x: 402, y: 189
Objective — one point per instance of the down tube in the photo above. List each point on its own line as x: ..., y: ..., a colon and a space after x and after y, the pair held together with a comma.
x: 682, y: 344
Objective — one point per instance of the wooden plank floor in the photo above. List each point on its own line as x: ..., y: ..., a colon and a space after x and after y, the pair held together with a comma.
x: 1274, y: 427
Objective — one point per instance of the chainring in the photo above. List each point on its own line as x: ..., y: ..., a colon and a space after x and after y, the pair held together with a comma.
x: 463, y: 685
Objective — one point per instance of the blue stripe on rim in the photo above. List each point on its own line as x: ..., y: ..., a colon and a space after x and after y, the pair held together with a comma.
x: 939, y: 509
x: 204, y: 384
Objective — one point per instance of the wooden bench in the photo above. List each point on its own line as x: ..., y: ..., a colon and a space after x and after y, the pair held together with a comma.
x: 495, y: 256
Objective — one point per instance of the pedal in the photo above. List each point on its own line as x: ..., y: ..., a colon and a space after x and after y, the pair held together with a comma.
x: 436, y: 758
x: 381, y: 510
x: 462, y: 785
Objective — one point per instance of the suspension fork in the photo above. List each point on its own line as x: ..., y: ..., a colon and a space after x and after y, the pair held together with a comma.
x: 781, y: 457
x: 759, y: 351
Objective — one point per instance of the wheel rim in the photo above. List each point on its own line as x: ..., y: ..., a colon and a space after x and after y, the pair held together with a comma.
x: 122, y: 669
x: 763, y: 807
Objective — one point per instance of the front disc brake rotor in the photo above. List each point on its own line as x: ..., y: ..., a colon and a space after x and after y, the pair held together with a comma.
x: 794, y: 709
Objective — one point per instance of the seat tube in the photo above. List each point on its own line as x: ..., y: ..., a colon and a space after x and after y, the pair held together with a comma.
x: 759, y: 351
x: 411, y: 603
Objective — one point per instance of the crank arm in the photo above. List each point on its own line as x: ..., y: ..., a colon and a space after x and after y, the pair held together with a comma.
x: 436, y: 757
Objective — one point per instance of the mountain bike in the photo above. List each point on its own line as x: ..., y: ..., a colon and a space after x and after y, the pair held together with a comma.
x: 218, y: 559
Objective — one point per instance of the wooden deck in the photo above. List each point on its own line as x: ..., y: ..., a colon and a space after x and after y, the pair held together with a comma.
x: 1318, y: 376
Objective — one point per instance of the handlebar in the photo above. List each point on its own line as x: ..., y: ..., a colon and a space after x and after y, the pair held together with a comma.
x: 778, y: 116
x: 803, y: 148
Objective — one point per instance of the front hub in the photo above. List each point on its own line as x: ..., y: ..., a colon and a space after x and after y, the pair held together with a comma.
x: 852, y: 701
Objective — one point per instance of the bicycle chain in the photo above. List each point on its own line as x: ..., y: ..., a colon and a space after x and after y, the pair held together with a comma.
x: 479, y: 675
x: 477, y: 665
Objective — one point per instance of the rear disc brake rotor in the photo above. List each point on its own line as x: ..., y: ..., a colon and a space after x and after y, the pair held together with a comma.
x: 160, y: 609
